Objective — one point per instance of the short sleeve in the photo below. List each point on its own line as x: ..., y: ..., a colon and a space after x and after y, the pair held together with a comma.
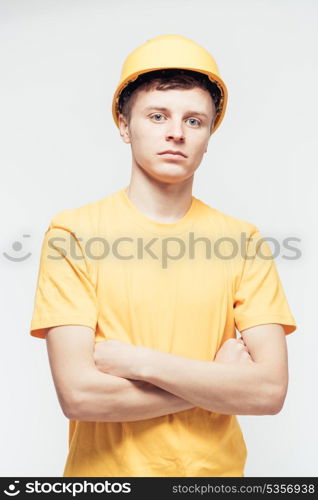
x: 259, y: 297
x: 65, y: 294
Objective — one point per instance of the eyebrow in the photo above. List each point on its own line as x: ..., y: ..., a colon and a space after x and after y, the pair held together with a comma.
x: 196, y: 113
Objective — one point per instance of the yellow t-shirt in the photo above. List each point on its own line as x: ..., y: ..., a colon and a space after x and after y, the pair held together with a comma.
x: 178, y: 287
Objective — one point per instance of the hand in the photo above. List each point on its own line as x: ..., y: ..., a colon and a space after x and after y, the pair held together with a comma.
x: 233, y: 351
x: 119, y: 358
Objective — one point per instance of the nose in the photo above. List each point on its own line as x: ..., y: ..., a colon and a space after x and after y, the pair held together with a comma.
x: 175, y: 131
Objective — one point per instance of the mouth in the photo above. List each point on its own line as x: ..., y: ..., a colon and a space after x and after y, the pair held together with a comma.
x: 172, y: 154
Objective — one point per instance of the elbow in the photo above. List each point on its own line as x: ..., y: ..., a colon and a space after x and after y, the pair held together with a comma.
x: 277, y: 405
x: 275, y: 400
x: 72, y: 406
x: 70, y: 412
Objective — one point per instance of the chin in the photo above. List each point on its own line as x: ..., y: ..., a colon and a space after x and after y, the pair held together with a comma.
x: 171, y: 172
x: 169, y: 177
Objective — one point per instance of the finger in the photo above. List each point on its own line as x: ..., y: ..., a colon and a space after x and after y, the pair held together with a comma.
x: 242, y: 341
x: 245, y: 355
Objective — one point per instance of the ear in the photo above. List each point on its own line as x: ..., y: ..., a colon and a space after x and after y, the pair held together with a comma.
x: 123, y: 128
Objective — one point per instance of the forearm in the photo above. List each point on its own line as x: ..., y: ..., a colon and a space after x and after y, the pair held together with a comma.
x: 107, y: 398
x: 240, y: 389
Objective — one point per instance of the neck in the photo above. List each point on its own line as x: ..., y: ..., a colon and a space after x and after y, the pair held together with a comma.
x: 162, y: 201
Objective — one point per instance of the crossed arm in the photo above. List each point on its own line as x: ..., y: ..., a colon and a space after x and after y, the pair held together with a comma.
x: 142, y: 383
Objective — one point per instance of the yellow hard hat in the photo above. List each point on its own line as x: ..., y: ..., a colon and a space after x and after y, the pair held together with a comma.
x: 170, y: 51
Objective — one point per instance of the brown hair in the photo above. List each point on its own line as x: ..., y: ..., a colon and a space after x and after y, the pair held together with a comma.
x: 164, y: 79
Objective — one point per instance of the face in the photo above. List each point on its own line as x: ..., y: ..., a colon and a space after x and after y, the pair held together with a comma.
x: 162, y: 120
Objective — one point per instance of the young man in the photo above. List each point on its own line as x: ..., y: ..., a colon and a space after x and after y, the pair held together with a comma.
x: 139, y: 294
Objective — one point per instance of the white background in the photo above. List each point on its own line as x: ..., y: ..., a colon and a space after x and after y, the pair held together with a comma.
x: 60, y: 64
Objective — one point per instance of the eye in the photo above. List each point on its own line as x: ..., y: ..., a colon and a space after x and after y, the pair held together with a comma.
x: 157, y: 114
x: 194, y: 119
